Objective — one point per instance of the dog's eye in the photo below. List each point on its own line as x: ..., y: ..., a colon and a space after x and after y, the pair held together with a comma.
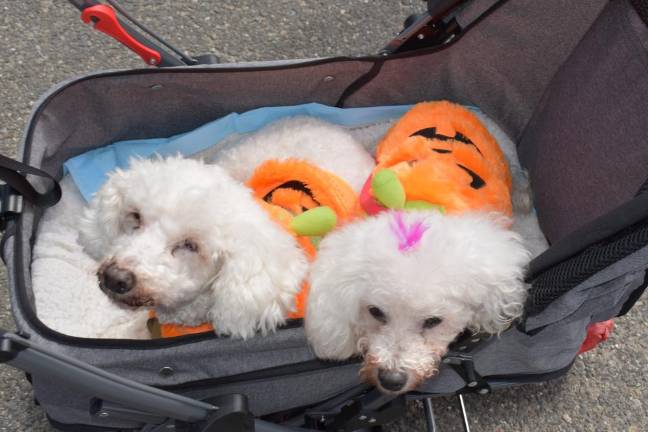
x: 378, y: 314
x: 132, y: 221
x: 186, y: 245
x: 431, y: 322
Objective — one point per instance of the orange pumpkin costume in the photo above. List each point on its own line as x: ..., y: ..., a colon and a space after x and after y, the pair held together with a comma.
x: 443, y: 155
x: 286, y: 189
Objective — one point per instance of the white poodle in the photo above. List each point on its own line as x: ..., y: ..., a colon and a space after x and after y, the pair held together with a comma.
x: 328, y: 146
x: 186, y: 239
x: 399, y: 287
x: 189, y: 240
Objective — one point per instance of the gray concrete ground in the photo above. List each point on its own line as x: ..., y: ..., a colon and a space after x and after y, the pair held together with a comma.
x: 43, y: 42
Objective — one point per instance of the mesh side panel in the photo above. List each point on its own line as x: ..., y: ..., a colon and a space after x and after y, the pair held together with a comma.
x: 556, y: 281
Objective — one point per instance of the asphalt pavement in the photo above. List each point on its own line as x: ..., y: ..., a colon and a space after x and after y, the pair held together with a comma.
x: 44, y: 42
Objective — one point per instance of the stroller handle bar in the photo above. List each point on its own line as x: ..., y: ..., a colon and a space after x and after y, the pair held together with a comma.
x: 156, y: 52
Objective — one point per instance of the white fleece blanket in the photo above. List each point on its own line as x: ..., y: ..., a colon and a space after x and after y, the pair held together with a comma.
x: 69, y: 300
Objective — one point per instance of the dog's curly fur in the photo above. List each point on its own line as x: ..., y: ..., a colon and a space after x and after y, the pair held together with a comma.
x: 369, y: 297
x: 200, y: 247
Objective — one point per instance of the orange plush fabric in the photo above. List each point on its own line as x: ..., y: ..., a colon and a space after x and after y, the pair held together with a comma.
x: 286, y: 189
x: 297, y: 185
x: 444, y: 155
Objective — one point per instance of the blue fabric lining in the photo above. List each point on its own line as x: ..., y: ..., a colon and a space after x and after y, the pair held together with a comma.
x: 89, y: 170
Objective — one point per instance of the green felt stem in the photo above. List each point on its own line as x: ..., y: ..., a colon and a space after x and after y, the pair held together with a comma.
x: 315, y: 222
x: 387, y: 189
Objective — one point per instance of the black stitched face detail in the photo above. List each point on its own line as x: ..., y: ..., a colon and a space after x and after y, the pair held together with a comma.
x: 292, y: 184
x: 463, y: 138
x: 431, y: 133
x: 442, y: 151
x: 477, y: 182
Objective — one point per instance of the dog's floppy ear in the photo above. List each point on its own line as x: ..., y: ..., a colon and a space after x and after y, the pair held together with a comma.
x: 499, y: 276
x: 262, y: 269
x: 333, y: 299
x: 100, y: 221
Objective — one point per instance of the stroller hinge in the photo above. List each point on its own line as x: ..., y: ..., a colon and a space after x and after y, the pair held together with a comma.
x: 371, y: 410
x: 464, y: 366
x: 232, y: 415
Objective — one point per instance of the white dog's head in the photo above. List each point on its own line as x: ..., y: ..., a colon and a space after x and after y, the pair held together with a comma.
x: 184, y: 238
x: 398, y: 288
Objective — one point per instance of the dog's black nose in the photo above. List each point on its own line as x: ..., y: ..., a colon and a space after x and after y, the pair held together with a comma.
x: 392, y: 380
x: 117, y: 280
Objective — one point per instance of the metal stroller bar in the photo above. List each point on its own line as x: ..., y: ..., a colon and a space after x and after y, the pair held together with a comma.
x: 464, y: 414
x: 157, y: 52
x: 429, y: 415
x: 184, y: 57
x: 430, y: 422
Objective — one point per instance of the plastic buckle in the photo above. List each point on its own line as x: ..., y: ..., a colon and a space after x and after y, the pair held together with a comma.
x: 11, y: 205
x: 9, y: 349
x: 105, y: 20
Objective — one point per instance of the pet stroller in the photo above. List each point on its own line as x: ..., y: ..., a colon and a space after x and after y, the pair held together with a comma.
x: 567, y: 80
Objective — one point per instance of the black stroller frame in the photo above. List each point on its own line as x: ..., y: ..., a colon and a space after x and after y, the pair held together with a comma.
x: 615, y: 235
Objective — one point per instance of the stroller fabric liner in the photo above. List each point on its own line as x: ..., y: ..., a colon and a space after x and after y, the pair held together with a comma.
x: 554, y: 75
x: 64, y: 276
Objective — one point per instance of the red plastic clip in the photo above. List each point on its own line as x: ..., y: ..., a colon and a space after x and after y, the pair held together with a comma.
x: 596, y: 333
x: 106, y: 21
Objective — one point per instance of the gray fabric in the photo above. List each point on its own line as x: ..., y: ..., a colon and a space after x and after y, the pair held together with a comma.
x: 605, y: 289
x: 482, y: 68
x: 272, y: 395
x: 264, y: 396
x: 515, y: 352
x: 176, y: 100
x: 503, y: 65
x: 585, y: 148
x: 473, y: 10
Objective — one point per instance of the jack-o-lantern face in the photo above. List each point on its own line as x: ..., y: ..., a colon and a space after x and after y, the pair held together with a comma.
x: 297, y: 186
x: 443, y: 155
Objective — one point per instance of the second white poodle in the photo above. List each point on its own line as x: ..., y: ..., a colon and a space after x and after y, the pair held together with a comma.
x: 399, y: 287
x: 328, y: 146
